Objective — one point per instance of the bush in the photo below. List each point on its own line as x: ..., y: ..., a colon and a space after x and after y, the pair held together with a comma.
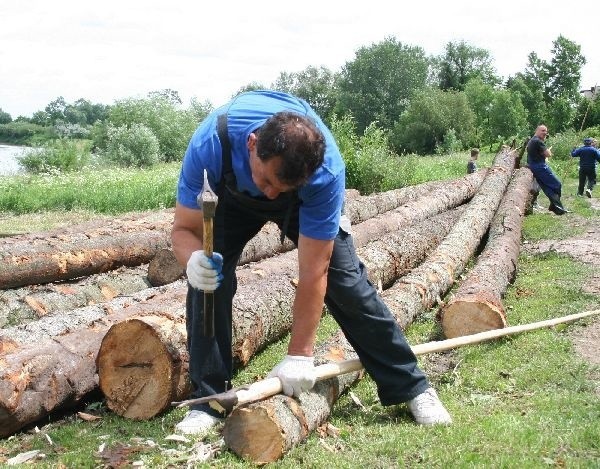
x: 132, y: 146
x: 25, y: 133
x: 58, y: 155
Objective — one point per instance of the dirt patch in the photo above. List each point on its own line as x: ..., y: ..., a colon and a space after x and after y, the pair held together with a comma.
x: 583, y: 248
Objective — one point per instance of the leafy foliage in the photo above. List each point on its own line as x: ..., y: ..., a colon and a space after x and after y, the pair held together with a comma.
x: 317, y: 86
x: 5, y: 117
x: 171, y: 126
x: 432, y: 113
x: 463, y: 62
x: 133, y: 145
x: 379, y: 83
x: 57, y: 155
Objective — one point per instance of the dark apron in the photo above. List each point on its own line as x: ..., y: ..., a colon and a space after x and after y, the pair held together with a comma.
x: 286, y: 202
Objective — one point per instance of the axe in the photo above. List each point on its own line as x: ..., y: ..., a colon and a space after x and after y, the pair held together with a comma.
x: 207, y: 200
x: 225, y: 402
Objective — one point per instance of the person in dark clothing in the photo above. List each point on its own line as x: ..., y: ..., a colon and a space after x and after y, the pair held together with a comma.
x: 472, y: 163
x: 588, y: 158
x: 271, y: 158
x: 537, y: 161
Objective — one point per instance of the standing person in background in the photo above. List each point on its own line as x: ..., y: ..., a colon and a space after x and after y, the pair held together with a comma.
x: 472, y: 164
x: 537, y: 161
x: 588, y: 157
x: 270, y: 157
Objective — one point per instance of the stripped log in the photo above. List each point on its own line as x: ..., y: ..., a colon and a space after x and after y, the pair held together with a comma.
x: 406, y: 300
x: 261, y: 315
x: 476, y: 306
x: 264, y: 431
x: 131, y: 240
x: 39, y: 377
x: 451, y: 194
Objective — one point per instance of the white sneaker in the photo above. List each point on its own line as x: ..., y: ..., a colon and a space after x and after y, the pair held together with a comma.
x: 196, y: 422
x: 427, y: 409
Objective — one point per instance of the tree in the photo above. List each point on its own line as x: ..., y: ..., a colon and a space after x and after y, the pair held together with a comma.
x: 315, y: 85
x: 171, y: 126
x: 532, y: 98
x: 564, y: 70
x: 430, y: 116
x: 55, y: 110
x: 379, y: 83
x: 252, y: 86
x: 5, y: 117
x: 463, y: 62
x: 508, y: 116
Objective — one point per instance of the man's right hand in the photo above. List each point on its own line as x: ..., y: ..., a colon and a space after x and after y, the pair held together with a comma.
x: 203, y: 272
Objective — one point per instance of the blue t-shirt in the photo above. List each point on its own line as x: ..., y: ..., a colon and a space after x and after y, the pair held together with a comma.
x: 321, y: 197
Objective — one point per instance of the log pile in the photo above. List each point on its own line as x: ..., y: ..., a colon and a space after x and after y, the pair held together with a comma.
x: 137, y: 342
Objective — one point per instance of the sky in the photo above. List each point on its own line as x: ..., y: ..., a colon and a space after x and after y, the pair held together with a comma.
x: 108, y: 50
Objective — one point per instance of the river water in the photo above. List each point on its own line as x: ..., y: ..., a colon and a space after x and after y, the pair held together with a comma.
x: 8, y: 159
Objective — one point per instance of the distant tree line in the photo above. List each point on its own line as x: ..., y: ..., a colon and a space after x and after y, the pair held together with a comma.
x: 419, y: 104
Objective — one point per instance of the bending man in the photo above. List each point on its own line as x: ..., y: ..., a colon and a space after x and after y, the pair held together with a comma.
x: 270, y: 157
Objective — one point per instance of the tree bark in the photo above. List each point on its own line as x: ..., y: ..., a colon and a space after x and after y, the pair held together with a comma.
x: 476, y: 306
x: 264, y: 431
x: 29, y: 303
x: 424, y: 285
x: 29, y: 265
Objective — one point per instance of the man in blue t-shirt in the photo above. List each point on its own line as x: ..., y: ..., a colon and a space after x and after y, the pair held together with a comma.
x: 270, y: 157
x: 588, y: 157
x: 537, y: 161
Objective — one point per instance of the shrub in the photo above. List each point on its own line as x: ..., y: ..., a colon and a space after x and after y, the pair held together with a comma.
x: 132, y: 146
x: 58, y: 155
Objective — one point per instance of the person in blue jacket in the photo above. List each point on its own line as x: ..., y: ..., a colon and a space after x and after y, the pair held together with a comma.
x: 588, y: 157
x: 537, y: 161
x: 270, y: 157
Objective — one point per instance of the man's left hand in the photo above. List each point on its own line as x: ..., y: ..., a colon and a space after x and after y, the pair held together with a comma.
x: 297, y: 374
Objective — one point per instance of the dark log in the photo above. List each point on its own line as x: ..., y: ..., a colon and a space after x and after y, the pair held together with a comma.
x: 476, y: 306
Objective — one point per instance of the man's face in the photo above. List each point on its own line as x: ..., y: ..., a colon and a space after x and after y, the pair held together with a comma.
x: 542, y: 132
x: 264, y: 174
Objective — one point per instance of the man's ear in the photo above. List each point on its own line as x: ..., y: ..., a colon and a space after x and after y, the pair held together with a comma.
x: 252, y: 139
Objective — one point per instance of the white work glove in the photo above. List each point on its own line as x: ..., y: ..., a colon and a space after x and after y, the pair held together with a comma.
x: 297, y: 374
x: 203, y: 272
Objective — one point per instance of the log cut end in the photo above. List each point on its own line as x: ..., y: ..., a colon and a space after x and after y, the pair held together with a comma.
x: 470, y: 317
x: 253, y: 434
x: 136, y: 370
x: 164, y: 268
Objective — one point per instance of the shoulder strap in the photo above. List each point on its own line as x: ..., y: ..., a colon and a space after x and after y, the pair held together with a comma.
x: 228, y: 174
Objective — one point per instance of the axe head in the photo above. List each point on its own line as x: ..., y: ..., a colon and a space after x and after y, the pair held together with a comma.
x: 207, y: 199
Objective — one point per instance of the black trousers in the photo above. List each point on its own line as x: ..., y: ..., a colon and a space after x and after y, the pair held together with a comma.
x: 586, y: 174
x: 351, y: 299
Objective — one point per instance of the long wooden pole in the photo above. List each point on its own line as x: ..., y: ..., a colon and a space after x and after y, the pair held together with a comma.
x: 269, y: 387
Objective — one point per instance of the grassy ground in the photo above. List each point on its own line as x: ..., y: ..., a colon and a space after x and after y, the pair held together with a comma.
x: 523, y: 401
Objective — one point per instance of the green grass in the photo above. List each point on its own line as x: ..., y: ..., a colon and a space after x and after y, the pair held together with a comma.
x: 525, y: 401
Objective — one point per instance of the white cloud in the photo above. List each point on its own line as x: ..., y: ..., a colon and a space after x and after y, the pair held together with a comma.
x: 110, y: 50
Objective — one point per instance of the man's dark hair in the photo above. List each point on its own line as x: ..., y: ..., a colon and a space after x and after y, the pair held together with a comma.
x: 299, y: 143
